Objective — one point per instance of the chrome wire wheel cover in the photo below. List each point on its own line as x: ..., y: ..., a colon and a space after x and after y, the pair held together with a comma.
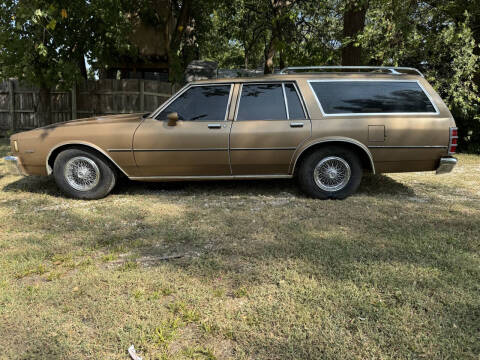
x: 81, y: 173
x: 332, y: 173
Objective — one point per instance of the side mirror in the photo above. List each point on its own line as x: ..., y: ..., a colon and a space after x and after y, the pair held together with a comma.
x: 172, y: 119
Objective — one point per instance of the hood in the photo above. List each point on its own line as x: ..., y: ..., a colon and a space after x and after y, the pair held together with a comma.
x: 108, y: 119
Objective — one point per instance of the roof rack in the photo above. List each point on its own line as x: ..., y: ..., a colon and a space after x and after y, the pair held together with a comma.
x: 392, y: 70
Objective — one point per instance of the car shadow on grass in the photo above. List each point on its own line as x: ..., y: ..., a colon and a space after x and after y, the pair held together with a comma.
x: 371, y: 185
x: 384, y: 185
x: 35, y: 185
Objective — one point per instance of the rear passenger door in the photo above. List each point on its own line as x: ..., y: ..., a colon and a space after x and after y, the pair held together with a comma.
x: 270, y: 123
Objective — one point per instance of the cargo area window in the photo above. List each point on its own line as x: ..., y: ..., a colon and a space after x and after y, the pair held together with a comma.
x: 371, y: 97
x: 200, y: 103
x: 274, y: 101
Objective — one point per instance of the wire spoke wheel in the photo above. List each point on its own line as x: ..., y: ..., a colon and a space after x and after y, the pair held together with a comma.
x: 332, y: 173
x: 81, y: 173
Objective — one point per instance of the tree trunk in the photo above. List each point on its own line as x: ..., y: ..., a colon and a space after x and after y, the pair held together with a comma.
x: 476, y: 51
x: 353, y: 24
x: 44, y: 110
x: 83, y: 67
x: 174, y: 64
x: 271, y: 48
x: 189, y: 48
x: 282, y: 60
x: 278, y: 8
x: 269, y: 55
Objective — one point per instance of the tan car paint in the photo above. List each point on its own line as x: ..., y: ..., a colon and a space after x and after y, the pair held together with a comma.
x: 190, y: 148
x: 100, y: 133
x: 148, y: 149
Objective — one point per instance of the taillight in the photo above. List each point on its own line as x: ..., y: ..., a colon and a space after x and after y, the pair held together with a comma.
x: 453, y: 142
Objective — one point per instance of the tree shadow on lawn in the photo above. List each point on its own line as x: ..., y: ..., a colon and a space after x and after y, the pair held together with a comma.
x: 371, y: 185
x: 332, y: 242
x: 413, y: 264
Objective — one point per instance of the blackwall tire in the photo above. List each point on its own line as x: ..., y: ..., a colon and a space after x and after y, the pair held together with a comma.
x: 83, y: 174
x: 330, y: 173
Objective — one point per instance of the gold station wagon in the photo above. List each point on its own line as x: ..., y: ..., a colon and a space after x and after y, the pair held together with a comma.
x: 324, y: 126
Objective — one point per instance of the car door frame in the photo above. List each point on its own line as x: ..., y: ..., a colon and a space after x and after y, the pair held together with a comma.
x: 237, y: 98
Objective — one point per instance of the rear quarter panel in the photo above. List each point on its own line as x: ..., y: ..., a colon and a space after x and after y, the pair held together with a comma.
x: 411, y: 143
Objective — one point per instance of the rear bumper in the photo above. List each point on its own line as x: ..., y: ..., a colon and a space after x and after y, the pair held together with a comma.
x: 446, y: 165
x: 14, y: 165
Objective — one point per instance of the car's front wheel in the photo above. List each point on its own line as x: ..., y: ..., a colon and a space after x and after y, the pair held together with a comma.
x: 83, y: 174
x: 330, y: 173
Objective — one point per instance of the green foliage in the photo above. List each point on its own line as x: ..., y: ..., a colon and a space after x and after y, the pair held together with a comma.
x: 46, y: 42
x: 442, y: 46
x: 440, y: 37
x: 452, y: 74
x: 241, y: 29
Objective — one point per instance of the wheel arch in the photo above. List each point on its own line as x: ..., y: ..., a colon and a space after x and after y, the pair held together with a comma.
x: 356, y: 146
x: 53, y: 153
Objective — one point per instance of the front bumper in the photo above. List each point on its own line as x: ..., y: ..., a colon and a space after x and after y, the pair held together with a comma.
x: 14, y: 166
x: 446, y: 165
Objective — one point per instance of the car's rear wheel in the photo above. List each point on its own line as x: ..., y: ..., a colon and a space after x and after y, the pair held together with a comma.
x: 83, y: 174
x: 330, y: 173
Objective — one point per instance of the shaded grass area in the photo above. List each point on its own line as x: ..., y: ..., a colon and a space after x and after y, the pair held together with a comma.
x: 243, y: 270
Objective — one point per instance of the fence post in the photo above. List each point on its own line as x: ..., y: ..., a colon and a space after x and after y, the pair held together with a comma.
x: 142, y: 95
x: 35, y: 105
x: 74, y: 101
x: 11, y: 104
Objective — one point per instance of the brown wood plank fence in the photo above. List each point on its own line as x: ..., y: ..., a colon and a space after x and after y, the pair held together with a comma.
x: 19, y: 101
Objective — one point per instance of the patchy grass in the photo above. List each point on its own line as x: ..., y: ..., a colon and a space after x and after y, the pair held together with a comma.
x: 243, y: 270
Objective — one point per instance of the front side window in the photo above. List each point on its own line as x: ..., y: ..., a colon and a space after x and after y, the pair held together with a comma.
x: 200, y: 103
x: 371, y: 97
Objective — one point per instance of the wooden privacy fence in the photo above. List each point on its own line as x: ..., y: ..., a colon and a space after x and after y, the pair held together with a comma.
x: 19, y: 101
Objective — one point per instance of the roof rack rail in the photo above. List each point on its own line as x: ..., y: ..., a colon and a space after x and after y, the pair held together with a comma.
x: 393, y: 70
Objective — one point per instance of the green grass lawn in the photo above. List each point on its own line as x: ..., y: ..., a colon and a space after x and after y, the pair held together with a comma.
x: 262, y: 272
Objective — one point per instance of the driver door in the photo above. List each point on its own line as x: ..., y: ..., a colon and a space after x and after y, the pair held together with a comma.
x: 197, y: 145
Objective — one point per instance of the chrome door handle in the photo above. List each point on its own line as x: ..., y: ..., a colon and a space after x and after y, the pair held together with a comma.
x: 296, y: 124
x: 214, y: 126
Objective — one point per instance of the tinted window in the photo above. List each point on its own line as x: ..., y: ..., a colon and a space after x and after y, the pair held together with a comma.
x: 262, y: 102
x: 295, y: 109
x: 343, y: 97
x: 200, y: 103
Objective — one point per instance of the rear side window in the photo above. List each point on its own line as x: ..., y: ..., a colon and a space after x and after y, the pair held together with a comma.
x: 262, y: 102
x: 295, y: 109
x: 267, y: 102
x: 371, y: 97
x: 200, y: 103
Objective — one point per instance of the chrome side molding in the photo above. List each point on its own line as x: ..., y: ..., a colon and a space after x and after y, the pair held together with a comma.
x: 446, y: 165
x: 216, y: 177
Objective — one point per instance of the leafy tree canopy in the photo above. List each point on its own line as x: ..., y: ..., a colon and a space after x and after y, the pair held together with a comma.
x: 47, y: 41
